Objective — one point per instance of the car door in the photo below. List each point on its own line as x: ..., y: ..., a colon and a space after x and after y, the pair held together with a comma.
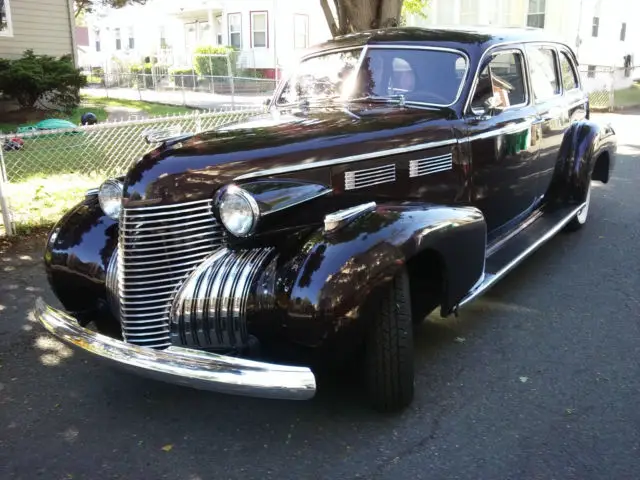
x: 552, y: 112
x: 501, y: 140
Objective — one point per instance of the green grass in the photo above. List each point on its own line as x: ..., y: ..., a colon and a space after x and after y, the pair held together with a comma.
x: 149, y: 108
x: 627, y: 97
x: 98, y: 106
x: 40, y: 202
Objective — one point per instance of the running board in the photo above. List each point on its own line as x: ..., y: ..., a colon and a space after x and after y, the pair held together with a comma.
x: 518, y: 248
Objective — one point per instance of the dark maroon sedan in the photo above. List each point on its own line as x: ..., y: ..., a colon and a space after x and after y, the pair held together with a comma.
x: 396, y: 172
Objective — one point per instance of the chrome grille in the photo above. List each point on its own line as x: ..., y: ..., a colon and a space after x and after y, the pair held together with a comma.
x: 210, y: 309
x: 369, y: 177
x: 158, y: 247
x: 427, y: 166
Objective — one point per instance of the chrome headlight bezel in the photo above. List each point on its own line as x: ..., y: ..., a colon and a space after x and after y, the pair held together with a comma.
x: 252, y: 211
x: 110, y: 198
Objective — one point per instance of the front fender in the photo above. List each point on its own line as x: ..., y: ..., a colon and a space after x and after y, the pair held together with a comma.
x: 582, y: 146
x: 77, y: 254
x: 327, y: 283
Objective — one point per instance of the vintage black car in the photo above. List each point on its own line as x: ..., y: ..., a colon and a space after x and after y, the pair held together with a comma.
x: 395, y: 172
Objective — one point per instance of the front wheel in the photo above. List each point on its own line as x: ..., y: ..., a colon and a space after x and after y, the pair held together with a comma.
x: 389, y: 362
x: 581, y: 217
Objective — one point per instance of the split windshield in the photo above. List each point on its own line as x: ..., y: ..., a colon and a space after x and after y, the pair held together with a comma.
x: 419, y: 75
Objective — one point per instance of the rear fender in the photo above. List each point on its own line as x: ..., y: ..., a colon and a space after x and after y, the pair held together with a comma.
x: 584, y: 144
x: 324, y: 287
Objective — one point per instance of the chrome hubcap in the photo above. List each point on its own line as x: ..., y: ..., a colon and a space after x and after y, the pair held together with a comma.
x: 582, y: 214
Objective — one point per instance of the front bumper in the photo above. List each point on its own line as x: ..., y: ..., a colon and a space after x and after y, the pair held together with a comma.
x: 192, y: 368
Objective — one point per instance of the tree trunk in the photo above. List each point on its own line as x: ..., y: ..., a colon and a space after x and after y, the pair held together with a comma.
x: 359, y: 15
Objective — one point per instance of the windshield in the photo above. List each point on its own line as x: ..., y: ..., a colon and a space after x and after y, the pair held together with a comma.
x: 419, y: 75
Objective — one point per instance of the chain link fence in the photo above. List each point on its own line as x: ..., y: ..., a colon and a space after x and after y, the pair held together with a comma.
x: 213, y: 79
x: 610, y: 88
x: 53, y: 166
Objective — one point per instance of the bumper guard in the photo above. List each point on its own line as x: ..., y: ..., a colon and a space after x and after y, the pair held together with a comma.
x: 181, y: 366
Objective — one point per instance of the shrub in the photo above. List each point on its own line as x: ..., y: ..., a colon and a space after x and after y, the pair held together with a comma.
x: 34, y: 79
x: 183, y: 76
x: 214, y: 66
x: 250, y: 73
x: 143, y: 74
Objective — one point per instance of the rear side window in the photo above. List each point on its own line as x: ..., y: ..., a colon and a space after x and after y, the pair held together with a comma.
x: 543, y: 65
x: 503, y: 80
x: 569, y: 76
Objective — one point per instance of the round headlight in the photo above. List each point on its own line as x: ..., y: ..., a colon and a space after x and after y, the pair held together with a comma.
x: 110, y: 198
x: 238, y: 211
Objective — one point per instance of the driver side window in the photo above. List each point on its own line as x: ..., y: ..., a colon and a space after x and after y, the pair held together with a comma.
x: 502, y: 81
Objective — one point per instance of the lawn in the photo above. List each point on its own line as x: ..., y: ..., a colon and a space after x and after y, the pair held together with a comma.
x: 97, y: 105
x: 51, y: 172
x: 627, y: 97
x: 40, y: 202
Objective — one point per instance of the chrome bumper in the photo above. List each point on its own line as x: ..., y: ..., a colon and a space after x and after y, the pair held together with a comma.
x: 192, y: 368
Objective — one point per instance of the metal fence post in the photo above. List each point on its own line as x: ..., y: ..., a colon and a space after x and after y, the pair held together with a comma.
x: 4, y: 200
x: 233, y: 90
x: 612, y: 90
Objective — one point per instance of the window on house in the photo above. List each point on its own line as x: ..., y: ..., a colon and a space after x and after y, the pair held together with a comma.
x: 219, y: 29
x: 536, y: 13
x: 259, y: 29
x: 118, y: 34
x: 595, y: 27
x: 5, y: 19
x: 132, y: 40
x: 235, y: 30
x: 98, y: 45
x: 569, y: 75
x: 544, y: 72
x: 163, y: 37
x: 591, y: 71
x: 300, y: 31
x: 623, y: 32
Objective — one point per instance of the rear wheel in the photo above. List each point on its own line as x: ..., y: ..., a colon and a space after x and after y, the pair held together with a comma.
x: 581, y: 217
x: 389, y: 362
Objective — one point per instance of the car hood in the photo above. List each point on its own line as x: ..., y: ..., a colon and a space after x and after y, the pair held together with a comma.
x: 194, y: 168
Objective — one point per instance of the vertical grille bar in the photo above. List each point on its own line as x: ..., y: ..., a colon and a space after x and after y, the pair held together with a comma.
x: 159, y: 247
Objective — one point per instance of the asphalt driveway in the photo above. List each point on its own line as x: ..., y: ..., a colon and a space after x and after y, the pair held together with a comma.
x: 538, y: 379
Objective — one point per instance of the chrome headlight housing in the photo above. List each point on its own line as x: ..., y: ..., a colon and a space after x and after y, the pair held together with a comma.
x: 110, y: 198
x: 238, y: 211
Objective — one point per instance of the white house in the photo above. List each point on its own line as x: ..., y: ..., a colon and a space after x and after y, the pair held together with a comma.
x: 601, y: 32
x: 268, y: 33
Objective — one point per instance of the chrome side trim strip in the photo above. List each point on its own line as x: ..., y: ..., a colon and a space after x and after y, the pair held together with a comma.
x: 506, y: 130
x: 342, y: 160
x: 335, y: 220
x: 491, y: 278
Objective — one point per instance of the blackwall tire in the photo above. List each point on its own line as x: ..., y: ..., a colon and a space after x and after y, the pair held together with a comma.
x: 389, y: 359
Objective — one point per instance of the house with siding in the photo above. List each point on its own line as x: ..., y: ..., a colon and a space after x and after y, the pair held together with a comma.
x: 45, y: 26
x: 602, y: 32
x: 268, y: 33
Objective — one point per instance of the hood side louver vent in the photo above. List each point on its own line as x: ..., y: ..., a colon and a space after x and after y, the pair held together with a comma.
x: 427, y: 166
x: 369, y: 177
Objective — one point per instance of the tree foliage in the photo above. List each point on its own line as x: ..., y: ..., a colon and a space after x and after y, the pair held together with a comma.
x: 350, y: 16
x: 87, y: 6
x: 40, y: 80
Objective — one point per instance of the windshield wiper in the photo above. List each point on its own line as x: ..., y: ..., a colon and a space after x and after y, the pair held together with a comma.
x: 392, y: 99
